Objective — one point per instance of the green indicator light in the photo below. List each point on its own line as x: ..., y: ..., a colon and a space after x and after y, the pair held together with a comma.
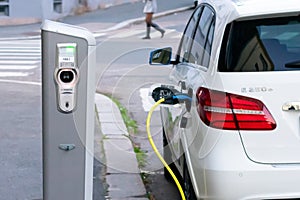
x: 70, y: 49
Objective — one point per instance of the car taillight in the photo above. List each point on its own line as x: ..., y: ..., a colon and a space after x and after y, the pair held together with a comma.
x: 233, y: 112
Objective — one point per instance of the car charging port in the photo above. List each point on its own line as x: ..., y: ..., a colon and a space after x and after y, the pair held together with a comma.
x: 171, y: 95
x: 165, y: 92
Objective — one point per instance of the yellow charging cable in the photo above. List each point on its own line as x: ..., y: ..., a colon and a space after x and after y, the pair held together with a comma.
x: 157, y: 152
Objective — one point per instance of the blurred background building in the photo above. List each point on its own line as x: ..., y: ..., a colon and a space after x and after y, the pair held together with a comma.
x: 31, y: 11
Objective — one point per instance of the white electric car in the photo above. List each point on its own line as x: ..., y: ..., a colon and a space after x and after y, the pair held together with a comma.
x: 238, y: 135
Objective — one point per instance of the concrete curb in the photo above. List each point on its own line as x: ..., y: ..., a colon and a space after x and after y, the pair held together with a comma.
x: 122, y: 172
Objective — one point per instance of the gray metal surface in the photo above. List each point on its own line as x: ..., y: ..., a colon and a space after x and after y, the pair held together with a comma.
x: 65, y: 172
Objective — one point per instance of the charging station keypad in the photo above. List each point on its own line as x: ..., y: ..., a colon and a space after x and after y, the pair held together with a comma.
x: 66, y: 76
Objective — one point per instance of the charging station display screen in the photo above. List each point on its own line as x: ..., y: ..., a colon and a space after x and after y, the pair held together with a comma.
x: 66, y: 53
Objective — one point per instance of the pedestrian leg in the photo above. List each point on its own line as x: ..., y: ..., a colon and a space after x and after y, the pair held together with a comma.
x: 158, y: 28
x: 148, y: 29
x: 148, y: 21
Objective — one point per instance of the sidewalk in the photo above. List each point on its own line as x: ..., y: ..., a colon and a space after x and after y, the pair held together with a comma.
x: 122, y: 172
x: 99, y: 21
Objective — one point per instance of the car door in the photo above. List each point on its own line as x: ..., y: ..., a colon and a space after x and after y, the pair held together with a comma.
x: 171, y: 114
x: 193, y: 57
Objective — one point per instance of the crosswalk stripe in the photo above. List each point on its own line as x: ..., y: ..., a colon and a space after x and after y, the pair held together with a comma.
x: 20, y: 50
x: 33, y: 41
x: 157, y: 34
x: 13, y: 74
x: 17, y: 62
x: 18, y: 47
x: 17, y: 67
x: 127, y: 34
x: 13, y: 57
x: 19, y: 54
x: 18, y: 58
x: 141, y: 33
x: 178, y: 36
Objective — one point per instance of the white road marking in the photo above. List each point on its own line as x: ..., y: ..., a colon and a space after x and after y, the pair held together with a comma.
x: 10, y: 50
x: 17, y: 67
x: 20, y: 82
x: 13, y: 57
x: 127, y: 34
x: 17, y: 58
x: 146, y: 98
x: 18, y: 62
x: 20, y: 54
x: 141, y: 33
x: 13, y: 74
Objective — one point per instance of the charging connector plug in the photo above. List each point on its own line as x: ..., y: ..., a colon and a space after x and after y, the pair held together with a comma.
x: 170, y: 94
x: 165, y: 92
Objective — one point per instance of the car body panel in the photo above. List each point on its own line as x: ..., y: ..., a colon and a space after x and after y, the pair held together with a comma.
x: 281, y: 145
x: 237, y: 164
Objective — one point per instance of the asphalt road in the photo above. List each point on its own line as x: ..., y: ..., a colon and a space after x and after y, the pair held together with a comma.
x: 20, y: 132
x: 20, y: 119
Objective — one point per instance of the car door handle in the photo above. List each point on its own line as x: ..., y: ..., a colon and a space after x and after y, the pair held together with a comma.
x: 182, y: 85
x: 291, y: 106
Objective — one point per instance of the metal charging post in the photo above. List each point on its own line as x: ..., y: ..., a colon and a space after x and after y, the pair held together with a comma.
x: 68, y: 89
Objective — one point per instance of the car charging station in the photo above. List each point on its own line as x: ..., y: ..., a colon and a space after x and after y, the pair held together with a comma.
x: 68, y: 89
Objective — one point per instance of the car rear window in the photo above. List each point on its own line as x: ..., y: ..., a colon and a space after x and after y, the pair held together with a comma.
x: 261, y: 45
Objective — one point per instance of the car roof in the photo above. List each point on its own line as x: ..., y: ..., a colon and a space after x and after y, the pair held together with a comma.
x: 238, y: 9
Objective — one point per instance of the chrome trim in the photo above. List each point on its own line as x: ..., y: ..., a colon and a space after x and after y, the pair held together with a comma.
x: 291, y: 106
